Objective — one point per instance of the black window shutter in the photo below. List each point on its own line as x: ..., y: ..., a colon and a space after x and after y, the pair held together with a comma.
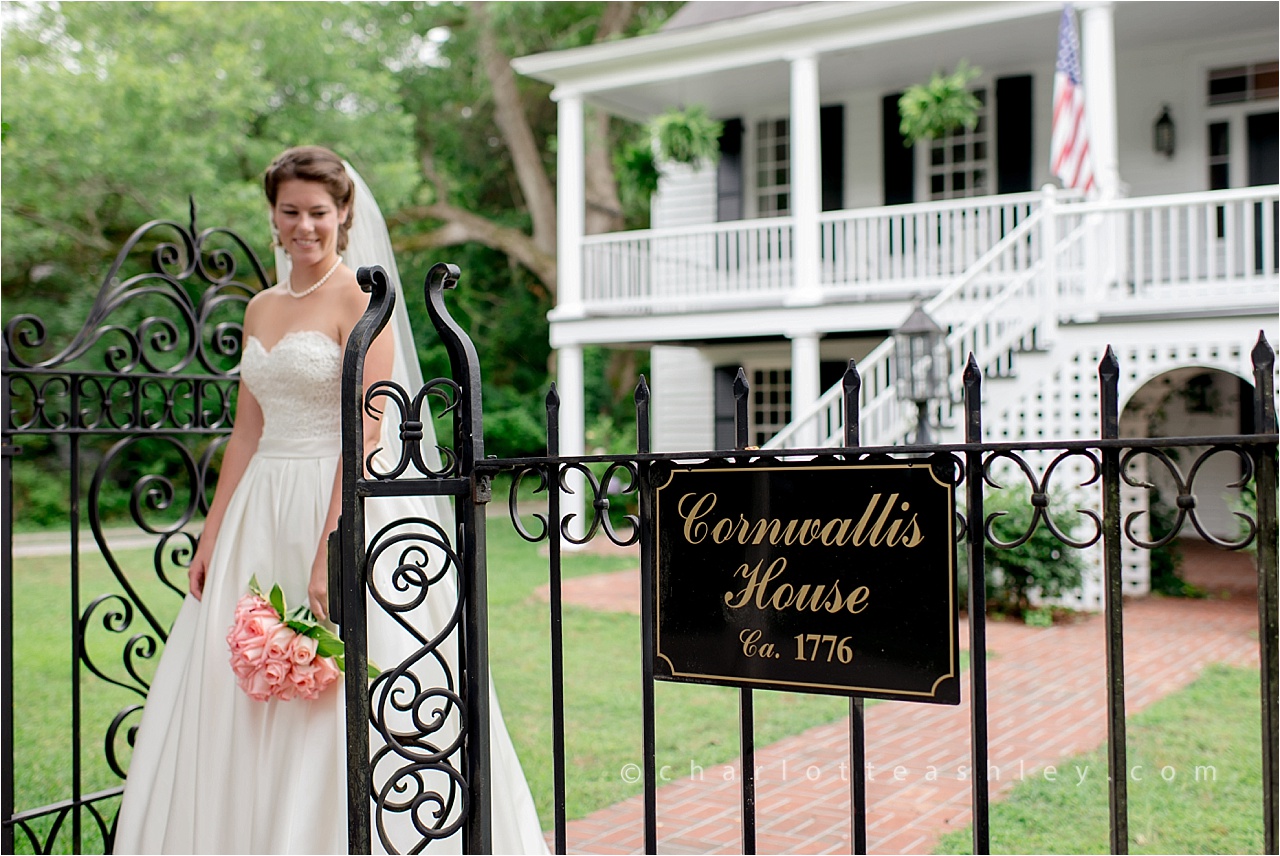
x: 725, y: 406
x: 1013, y: 134
x: 831, y: 130
x: 899, y: 160
x: 729, y: 172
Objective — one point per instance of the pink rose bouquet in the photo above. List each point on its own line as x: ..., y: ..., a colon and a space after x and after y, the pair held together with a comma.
x: 274, y: 656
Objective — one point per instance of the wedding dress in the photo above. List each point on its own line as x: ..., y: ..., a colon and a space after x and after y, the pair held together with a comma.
x: 214, y: 771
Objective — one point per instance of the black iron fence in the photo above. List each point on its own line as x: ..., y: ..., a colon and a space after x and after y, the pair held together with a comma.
x: 135, y: 410
x: 969, y: 467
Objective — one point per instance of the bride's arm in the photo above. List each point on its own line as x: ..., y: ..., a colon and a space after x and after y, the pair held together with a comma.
x: 243, y: 442
x: 235, y: 458
x: 377, y: 366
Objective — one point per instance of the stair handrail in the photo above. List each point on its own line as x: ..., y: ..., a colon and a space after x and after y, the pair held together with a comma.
x: 874, y: 398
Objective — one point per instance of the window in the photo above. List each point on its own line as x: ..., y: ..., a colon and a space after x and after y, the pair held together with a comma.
x: 773, y: 168
x: 1252, y: 82
x: 769, y: 410
x: 960, y: 163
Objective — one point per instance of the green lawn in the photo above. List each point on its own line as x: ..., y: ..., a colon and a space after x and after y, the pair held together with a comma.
x: 602, y: 684
x: 1195, y: 784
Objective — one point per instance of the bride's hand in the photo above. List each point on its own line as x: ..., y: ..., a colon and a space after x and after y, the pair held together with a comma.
x: 196, y: 574
x: 318, y: 590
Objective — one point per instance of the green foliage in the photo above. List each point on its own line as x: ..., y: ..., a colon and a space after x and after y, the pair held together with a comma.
x: 637, y: 171
x: 116, y: 113
x: 1042, y: 564
x: 689, y: 136
x: 932, y: 110
x: 1165, y: 561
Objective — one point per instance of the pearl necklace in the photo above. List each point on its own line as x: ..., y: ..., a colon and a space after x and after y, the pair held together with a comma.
x: 297, y: 295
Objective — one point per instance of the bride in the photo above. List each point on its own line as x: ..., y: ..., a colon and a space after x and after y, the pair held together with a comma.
x: 214, y: 771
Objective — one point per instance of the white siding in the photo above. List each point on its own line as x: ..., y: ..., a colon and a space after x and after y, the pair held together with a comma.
x: 685, y: 197
x: 683, y: 399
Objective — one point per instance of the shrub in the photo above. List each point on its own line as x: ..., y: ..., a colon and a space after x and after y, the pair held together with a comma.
x: 1042, y: 564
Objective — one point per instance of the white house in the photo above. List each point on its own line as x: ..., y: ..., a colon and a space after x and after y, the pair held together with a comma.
x: 818, y: 231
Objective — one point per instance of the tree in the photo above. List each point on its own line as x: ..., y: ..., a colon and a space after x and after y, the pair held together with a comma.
x: 115, y: 113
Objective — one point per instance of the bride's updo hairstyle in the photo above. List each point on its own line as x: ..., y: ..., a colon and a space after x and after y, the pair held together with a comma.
x: 318, y: 164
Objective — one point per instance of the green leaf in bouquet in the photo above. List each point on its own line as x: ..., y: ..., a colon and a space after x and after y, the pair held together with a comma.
x: 254, y: 587
x: 341, y: 662
x: 329, y: 646
x: 277, y: 599
x: 374, y: 671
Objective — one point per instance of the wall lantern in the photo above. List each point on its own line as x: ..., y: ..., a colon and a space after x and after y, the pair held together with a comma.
x: 1164, y: 139
x: 920, y: 365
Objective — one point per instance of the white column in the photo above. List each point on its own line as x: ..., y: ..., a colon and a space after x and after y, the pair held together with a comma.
x: 571, y: 207
x: 806, y: 178
x: 570, y: 225
x: 569, y: 383
x: 806, y: 382
x: 1098, y: 65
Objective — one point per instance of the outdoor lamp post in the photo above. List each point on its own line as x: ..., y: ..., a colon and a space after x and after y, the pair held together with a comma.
x: 920, y: 366
x: 1163, y: 135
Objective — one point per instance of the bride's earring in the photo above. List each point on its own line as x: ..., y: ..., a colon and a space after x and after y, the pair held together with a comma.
x: 275, y: 237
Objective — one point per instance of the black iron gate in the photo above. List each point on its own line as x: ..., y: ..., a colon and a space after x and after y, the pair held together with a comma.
x: 134, y: 412
x: 468, y: 477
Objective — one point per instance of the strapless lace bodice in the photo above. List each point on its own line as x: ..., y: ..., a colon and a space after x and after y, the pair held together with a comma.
x: 297, y: 383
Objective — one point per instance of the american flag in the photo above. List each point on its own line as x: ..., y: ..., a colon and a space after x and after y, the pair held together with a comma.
x: 1069, y: 157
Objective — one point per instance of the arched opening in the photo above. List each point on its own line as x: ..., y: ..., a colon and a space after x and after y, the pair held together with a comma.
x: 1192, y: 401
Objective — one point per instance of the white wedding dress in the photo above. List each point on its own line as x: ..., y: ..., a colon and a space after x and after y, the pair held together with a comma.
x: 214, y: 771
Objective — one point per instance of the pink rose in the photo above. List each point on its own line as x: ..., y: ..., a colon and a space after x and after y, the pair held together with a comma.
x: 248, y: 638
x: 326, y: 673
x: 303, y: 679
x: 302, y: 650
x: 279, y: 638
x: 277, y: 671
x: 256, y: 686
x: 252, y: 606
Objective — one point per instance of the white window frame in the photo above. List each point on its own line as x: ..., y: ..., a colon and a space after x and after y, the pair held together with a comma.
x: 981, y: 140
x: 758, y: 164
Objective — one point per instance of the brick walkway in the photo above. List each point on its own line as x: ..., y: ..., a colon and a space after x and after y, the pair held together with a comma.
x: 1046, y: 701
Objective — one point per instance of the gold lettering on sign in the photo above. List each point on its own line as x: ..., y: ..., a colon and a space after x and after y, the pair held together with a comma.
x: 883, y: 522
x: 808, y: 598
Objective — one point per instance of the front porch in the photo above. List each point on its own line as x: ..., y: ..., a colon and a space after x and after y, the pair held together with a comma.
x: 1163, y: 253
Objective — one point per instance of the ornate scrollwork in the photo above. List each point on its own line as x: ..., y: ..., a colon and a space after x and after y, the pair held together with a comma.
x: 168, y: 342
x: 513, y: 503
x: 154, y: 495
x: 1185, y: 501
x: 117, y: 617
x: 1041, y: 496
x: 39, y: 403
x: 118, y: 723
x: 411, y: 426
x: 600, y: 490
x: 416, y: 706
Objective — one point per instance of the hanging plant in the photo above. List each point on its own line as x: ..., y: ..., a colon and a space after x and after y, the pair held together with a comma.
x: 932, y: 110
x: 688, y: 136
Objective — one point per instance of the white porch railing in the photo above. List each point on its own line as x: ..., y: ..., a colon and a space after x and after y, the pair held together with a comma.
x: 1161, y: 250
x: 870, y: 252
x: 742, y: 262
x: 992, y: 309
x: 878, y: 249
x: 1192, y: 250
